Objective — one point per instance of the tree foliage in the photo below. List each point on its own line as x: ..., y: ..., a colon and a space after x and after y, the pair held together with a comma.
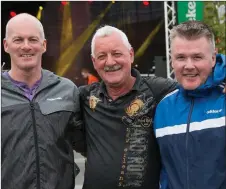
x: 214, y: 19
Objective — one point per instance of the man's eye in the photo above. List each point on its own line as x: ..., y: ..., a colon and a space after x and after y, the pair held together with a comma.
x: 101, y: 57
x: 17, y: 40
x: 180, y: 58
x: 33, y: 40
x: 197, y: 58
x: 117, y: 54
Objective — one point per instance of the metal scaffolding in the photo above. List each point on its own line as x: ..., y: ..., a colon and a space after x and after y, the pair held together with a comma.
x: 170, y: 21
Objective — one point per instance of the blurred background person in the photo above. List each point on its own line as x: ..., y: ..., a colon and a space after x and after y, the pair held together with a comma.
x: 90, y: 78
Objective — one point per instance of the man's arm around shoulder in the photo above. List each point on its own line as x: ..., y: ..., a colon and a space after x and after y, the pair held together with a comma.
x: 76, y: 125
x: 161, y: 86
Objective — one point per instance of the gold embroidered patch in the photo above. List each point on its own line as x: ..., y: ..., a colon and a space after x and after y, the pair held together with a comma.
x: 134, y: 107
x: 93, y: 102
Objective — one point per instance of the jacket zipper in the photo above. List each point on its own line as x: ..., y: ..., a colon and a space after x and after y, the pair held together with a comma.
x: 187, y: 134
x: 36, y: 145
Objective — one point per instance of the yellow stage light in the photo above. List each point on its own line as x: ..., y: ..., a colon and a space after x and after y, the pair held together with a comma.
x: 39, y: 14
x: 67, y: 30
x: 69, y: 54
x: 148, y: 40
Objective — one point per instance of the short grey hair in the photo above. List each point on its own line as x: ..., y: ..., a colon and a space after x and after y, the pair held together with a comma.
x: 193, y: 30
x: 107, y: 31
x: 25, y: 16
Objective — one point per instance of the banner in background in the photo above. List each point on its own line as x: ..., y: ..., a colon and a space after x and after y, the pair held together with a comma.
x: 189, y: 10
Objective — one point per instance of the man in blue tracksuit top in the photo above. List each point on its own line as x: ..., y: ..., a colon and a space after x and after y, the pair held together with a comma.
x: 190, y: 122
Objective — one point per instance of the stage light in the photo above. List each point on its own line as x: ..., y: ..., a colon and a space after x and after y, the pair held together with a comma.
x: 64, y: 3
x: 12, y: 13
x: 67, y: 29
x: 145, y: 3
x: 148, y: 40
x: 68, y: 56
x: 39, y: 14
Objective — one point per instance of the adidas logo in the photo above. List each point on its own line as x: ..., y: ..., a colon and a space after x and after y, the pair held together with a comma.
x: 214, y: 111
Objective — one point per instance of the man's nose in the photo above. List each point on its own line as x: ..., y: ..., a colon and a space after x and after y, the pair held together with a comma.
x: 26, y: 45
x: 110, y: 60
x: 189, y: 64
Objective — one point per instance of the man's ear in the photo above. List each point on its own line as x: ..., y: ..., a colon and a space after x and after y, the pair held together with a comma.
x: 44, y: 44
x: 131, y: 52
x: 5, y: 44
x: 172, y: 64
x: 171, y: 55
x: 214, y: 58
x: 93, y: 60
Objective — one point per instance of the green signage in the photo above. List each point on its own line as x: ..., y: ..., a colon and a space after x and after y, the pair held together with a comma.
x: 189, y: 10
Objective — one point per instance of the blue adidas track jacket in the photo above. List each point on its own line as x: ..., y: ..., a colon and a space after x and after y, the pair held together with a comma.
x: 191, y: 133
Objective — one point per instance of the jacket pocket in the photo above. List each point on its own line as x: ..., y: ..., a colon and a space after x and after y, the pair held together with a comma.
x: 56, y: 116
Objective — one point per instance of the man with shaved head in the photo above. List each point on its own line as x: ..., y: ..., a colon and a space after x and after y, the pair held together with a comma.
x: 40, y: 114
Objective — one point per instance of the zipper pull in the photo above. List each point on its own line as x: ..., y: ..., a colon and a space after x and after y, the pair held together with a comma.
x: 32, y: 106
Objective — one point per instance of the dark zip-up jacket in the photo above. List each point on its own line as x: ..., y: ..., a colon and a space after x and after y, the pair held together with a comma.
x: 37, y: 136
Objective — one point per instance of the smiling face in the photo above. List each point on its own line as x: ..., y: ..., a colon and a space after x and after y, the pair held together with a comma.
x: 24, y: 44
x: 112, y: 59
x: 192, y: 61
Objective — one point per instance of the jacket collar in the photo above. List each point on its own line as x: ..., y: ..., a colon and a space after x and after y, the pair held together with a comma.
x: 48, y: 78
